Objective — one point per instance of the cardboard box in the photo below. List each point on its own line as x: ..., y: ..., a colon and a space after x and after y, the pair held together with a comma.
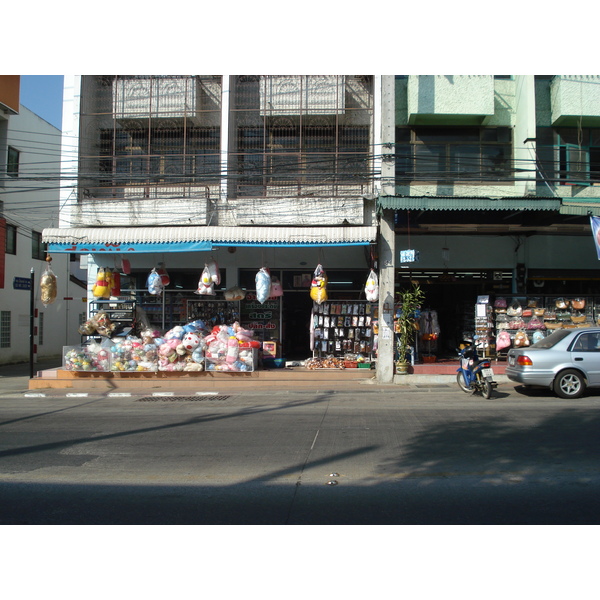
x: 269, y: 349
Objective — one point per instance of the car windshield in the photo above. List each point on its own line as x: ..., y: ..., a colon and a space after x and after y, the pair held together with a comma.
x: 552, y: 339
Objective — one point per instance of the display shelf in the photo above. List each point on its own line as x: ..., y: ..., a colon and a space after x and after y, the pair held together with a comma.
x: 342, y: 327
x: 527, y: 319
x: 121, y: 312
x: 212, y: 311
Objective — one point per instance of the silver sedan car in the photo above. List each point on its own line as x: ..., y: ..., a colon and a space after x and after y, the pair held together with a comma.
x: 567, y: 362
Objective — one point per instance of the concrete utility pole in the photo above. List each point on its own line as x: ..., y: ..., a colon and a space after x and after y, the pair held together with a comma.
x: 387, y: 238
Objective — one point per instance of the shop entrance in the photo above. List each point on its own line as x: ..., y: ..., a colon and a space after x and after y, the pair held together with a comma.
x: 296, y: 308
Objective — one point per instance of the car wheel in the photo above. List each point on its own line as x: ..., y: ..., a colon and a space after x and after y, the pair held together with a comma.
x: 569, y: 384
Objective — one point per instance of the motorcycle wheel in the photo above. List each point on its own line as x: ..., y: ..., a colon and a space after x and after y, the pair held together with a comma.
x: 460, y: 379
x: 485, y: 386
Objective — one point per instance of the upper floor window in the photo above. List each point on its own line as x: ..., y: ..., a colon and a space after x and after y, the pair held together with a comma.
x: 38, y: 248
x: 453, y: 153
x: 11, y: 239
x: 569, y: 155
x: 12, y: 164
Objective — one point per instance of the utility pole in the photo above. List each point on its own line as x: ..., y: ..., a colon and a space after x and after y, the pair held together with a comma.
x: 387, y: 237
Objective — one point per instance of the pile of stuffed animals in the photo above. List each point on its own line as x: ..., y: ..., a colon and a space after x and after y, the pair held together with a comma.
x: 191, y: 347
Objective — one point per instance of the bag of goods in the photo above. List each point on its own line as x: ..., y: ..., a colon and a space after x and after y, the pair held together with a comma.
x: 500, y: 303
x: 503, y: 340
x: 234, y: 293
x: 154, y: 283
x: 115, y: 283
x: 104, y: 326
x: 515, y: 309
x: 213, y: 270
x: 103, y: 285
x: 164, y: 276
x: 372, y: 287
x: 318, y: 286
x: 578, y: 303
x: 131, y: 354
x: 48, y: 286
x: 206, y: 283
x: 276, y: 288
x: 263, y: 285
x: 521, y: 340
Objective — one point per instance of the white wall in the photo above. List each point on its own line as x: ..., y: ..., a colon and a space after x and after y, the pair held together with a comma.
x: 33, y: 204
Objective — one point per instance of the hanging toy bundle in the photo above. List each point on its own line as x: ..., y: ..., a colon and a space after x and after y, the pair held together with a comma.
x: 103, y: 285
x: 154, y: 283
x: 372, y: 287
x: 213, y: 269
x: 48, y: 285
x: 164, y: 276
x: 318, y: 286
x: 263, y: 285
x: 206, y: 284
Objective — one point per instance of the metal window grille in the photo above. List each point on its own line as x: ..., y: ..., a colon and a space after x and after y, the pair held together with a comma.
x: 41, y: 329
x: 5, y: 329
x: 301, y: 135
x: 150, y: 135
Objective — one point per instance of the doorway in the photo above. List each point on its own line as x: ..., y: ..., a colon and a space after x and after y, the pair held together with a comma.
x: 296, y: 310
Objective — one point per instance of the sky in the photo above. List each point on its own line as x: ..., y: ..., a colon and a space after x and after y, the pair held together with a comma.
x: 42, y: 94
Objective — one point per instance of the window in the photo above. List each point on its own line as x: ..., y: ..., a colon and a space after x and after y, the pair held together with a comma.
x: 5, y: 329
x: 569, y: 155
x: 453, y: 153
x: 11, y: 239
x: 579, y: 155
x: 38, y: 249
x: 300, y: 133
x: 12, y: 165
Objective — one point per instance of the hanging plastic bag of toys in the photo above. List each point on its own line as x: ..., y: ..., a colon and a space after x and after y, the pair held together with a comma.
x: 318, y: 286
x: 48, y: 286
x: 263, y: 285
x: 154, y: 283
x: 372, y: 287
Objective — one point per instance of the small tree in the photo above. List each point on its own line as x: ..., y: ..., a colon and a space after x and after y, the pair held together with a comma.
x: 410, y: 301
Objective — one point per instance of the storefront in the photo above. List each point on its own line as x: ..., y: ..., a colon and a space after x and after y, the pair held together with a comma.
x: 279, y: 326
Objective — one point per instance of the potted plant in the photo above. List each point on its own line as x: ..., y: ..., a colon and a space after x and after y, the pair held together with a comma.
x: 405, y: 326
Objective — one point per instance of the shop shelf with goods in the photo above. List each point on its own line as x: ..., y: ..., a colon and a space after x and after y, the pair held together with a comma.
x: 484, y: 328
x: 343, y: 328
x: 115, y: 315
x: 523, y: 320
x: 212, y: 310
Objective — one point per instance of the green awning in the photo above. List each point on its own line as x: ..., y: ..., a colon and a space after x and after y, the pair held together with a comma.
x: 466, y: 203
x: 581, y: 206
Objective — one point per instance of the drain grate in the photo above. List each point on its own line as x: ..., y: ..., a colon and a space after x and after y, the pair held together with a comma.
x: 181, y: 398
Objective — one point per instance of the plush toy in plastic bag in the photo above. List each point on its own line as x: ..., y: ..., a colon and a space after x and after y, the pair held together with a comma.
x: 372, y: 287
x: 213, y: 269
x: 206, y: 285
x: 103, y: 285
x: 318, y: 286
x: 263, y: 285
x: 48, y: 286
x: 154, y: 283
x: 234, y: 293
x: 276, y: 288
x: 164, y: 276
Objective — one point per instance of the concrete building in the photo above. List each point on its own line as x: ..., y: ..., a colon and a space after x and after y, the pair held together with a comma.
x: 30, y: 154
x: 490, y: 180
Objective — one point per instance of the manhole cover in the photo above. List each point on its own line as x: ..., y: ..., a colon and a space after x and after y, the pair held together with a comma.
x: 181, y: 398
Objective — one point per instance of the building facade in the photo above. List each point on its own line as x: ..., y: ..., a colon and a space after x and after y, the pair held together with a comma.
x: 30, y: 155
x: 490, y: 180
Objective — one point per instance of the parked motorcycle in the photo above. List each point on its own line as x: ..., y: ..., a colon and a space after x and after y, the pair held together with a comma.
x: 475, y: 374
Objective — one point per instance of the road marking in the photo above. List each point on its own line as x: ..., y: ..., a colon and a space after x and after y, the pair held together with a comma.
x: 314, y: 441
x: 77, y: 395
x: 207, y: 393
x: 119, y: 394
x: 35, y: 395
x: 163, y: 394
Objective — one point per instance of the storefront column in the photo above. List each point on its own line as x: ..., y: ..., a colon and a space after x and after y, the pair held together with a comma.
x: 387, y: 238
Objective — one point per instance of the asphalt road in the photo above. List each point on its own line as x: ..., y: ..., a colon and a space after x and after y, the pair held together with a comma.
x: 422, y: 456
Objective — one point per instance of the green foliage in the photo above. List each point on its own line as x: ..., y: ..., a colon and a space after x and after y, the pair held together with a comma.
x: 410, y: 300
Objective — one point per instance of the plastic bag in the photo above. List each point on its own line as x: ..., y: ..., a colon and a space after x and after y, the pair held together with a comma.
x: 372, y: 287
x: 503, y: 340
x: 318, y: 286
x: 48, y: 286
x: 276, y: 288
x: 234, y: 293
x: 206, y: 283
x: 103, y: 285
x: 164, y: 276
x: 263, y: 285
x: 213, y: 269
x: 154, y: 283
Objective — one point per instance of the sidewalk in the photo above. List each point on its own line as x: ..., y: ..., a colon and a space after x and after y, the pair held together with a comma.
x: 48, y: 377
